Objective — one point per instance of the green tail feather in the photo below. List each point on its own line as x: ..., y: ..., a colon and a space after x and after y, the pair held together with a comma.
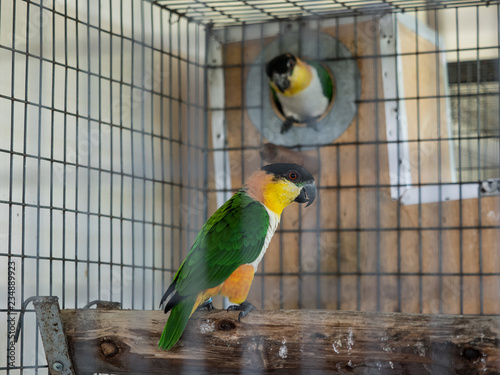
x: 176, y: 323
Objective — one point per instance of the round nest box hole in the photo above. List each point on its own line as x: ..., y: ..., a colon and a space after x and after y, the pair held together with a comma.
x: 264, y: 113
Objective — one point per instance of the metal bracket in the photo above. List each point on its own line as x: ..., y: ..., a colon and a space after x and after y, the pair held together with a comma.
x: 48, y: 317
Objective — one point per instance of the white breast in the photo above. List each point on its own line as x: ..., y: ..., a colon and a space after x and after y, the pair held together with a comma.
x: 307, y: 103
x: 274, y: 220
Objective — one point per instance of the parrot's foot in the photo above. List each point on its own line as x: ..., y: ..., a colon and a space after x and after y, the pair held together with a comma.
x: 207, y: 305
x: 312, y: 123
x: 245, y: 307
x: 287, y: 125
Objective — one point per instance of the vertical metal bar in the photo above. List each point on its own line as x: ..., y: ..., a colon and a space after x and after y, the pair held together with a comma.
x: 242, y: 108
x: 189, y: 141
x: 242, y: 104
x: 51, y: 192
x: 398, y: 206
x: 227, y: 168
x: 471, y: 167
x: 122, y: 286
x: 132, y: 67
x: 318, y: 209
x: 479, y: 174
x: 195, y: 108
x: 459, y: 117
x: 89, y: 175
x: 65, y: 150
x: 111, y: 162
x: 11, y: 164
x: 23, y: 229
x: 153, y: 159
x: 179, y: 107
x: 261, y: 142
x: 208, y: 32
x: 358, y: 183
x: 339, y: 216
x: 99, y: 178
x: 39, y: 161
x: 498, y: 75
x: 419, y: 179
x: 143, y: 155
x: 377, y: 171
x: 299, y: 221
x: 439, y: 182
x: 338, y: 232
x: 171, y: 136
x: 162, y: 153
x: 77, y: 135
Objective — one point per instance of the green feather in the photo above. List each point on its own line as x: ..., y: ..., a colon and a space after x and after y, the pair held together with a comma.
x: 232, y: 236
x: 324, y: 77
x: 176, y: 323
x: 219, y: 247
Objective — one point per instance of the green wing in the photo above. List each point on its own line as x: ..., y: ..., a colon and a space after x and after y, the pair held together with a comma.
x: 324, y: 77
x: 234, y: 235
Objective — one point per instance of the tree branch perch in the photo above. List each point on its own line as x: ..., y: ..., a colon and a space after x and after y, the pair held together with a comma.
x: 292, y: 341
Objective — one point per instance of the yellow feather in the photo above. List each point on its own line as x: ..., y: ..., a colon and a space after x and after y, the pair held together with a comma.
x: 279, y: 194
x: 300, y: 79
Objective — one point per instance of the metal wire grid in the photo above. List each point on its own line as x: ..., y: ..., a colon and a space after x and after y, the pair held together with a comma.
x: 95, y: 179
x: 224, y: 13
x: 455, y: 279
x: 54, y: 215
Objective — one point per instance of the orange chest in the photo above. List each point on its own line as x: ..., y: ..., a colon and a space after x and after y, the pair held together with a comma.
x: 237, y: 286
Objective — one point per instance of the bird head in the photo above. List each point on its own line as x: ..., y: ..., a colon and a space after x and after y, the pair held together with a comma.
x: 279, y: 185
x: 288, y: 74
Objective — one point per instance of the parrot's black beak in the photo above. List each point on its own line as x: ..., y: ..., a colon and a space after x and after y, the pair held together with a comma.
x: 307, y: 194
x: 281, y: 81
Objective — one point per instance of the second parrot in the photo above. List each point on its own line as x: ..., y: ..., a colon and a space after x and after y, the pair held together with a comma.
x: 302, y: 90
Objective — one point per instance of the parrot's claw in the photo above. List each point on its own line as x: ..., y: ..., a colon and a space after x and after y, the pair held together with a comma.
x: 287, y: 125
x: 244, y: 308
x: 207, y: 305
x: 312, y: 123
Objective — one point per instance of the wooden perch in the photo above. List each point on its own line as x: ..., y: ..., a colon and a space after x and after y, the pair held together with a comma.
x: 287, y: 342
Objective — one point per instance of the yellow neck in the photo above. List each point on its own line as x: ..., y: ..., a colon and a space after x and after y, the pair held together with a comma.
x: 279, y: 194
x: 274, y: 194
x: 300, y: 79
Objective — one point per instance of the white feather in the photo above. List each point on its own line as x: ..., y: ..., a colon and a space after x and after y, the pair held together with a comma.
x: 310, y: 102
x: 274, y: 220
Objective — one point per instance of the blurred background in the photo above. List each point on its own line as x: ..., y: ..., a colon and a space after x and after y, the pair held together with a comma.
x: 125, y: 124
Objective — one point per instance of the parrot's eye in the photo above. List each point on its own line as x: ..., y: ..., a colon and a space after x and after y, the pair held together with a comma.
x: 290, y: 64
x: 292, y: 175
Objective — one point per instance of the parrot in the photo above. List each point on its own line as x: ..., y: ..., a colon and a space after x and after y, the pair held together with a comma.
x: 230, y: 245
x: 302, y: 90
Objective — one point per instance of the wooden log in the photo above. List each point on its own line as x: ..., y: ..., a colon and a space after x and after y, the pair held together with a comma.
x: 293, y: 341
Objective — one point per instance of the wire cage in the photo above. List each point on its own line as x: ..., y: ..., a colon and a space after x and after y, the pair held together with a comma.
x: 127, y: 123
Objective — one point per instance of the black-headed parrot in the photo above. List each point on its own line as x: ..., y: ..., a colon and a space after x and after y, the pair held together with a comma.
x: 301, y: 90
x: 231, y: 244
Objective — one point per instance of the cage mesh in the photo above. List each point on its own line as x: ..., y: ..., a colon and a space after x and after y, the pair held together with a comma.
x: 110, y: 161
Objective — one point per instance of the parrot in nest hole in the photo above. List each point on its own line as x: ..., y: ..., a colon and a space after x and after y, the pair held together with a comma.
x: 231, y: 244
x: 302, y: 90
